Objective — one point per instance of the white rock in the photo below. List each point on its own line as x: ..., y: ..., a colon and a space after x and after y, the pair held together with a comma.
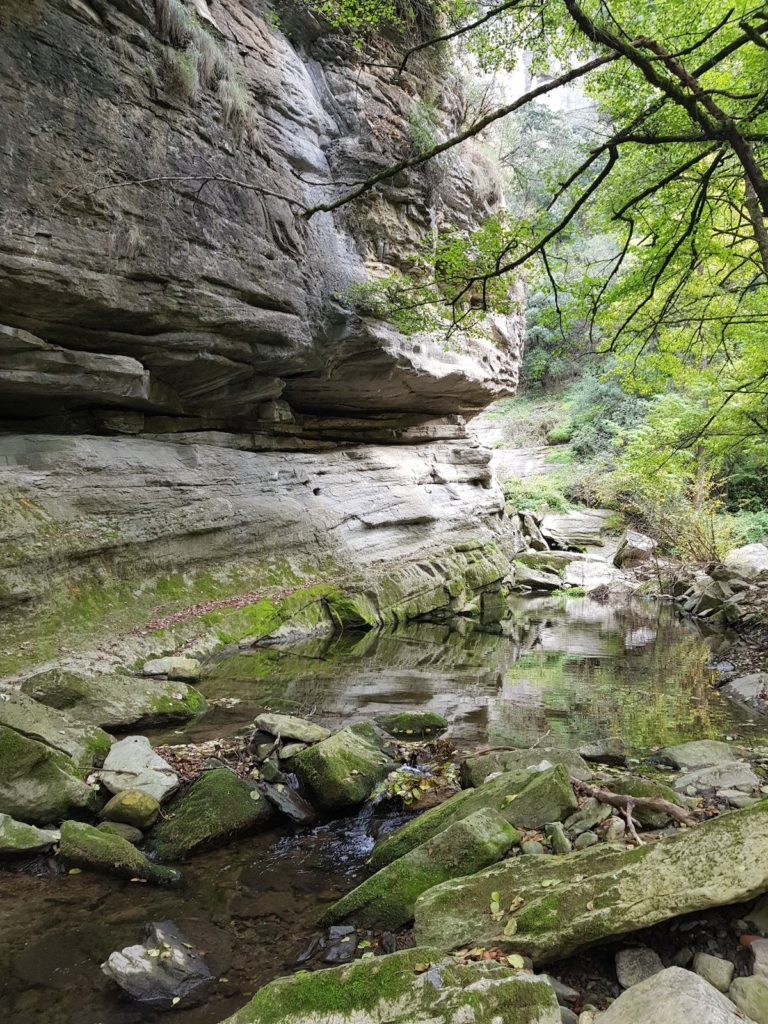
x: 634, y: 548
x: 133, y: 764
x: 749, y: 561
x: 673, y: 996
x: 715, y: 970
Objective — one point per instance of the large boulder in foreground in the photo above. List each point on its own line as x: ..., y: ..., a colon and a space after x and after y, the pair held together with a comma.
x: 39, y: 784
x: 673, y: 996
x: 115, y: 701
x: 82, y: 744
x: 525, y: 799
x: 217, y: 807
x: 86, y: 847
x: 341, y: 772
x: 414, y: 986
x: 388, y: 898
x: 563, y: 903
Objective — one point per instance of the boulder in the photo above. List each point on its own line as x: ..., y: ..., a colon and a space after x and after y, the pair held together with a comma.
x: 18, y: 839
x: 750, y: 690
x: 183, y: 669
x: 133, y: 764
x: 132, y: 807
x: 698, y: 754
x: 164, y: 972
x: 82, y: 744
x: 637, y: 787
x: 290, y: 728
x: 39, y: 784
x: 410, y: 725
x: 751, y: 997
x: 574, y: 531
x: 289, y: 802
x: 525, y: 799
x: 674, y: 996
x: 217, y: 807
x: 527, y: 578
x: 340, y: 772
x: 729, y: 775
x: 715, y: 970
x: 475, y: 770
x: 388, y: 898
x: 116, y: 701
x: 611, y: 750
x: 637, y: 964
x: 413, y: 986
x: 634, y: 548
x: 748, y: 561
x: 567, y: 903
x: 83, y: 846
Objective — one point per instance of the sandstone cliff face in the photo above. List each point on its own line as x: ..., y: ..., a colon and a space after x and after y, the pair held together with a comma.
x: 182, y: 378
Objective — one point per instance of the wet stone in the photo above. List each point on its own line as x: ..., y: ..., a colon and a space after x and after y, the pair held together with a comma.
x: 290, y: 803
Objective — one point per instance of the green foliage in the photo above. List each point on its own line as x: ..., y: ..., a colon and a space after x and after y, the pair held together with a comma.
x: 548, y: 492
x: 423, y: 123
x: 182, y: 73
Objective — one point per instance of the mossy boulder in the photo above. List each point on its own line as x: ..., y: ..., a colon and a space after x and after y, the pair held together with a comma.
x: 217, y: 807
x: 525, y: 799
x: 558, y: 904
x: 475, y: 770
x: 342, y: 771
x: 117, y: 828
x: 132, y: 807
x: 39, y: 784
x: 58, y: 730
x: 116, y: 701
x: 637, y: 787
x: 388, y: 898
x: 288, y: 727
x: 18, y: 839
x: 412, y: 725
x: 89, y: 848
x: 414, y: 986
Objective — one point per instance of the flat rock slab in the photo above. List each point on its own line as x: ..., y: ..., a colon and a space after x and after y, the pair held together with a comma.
x: 674, y: 996
x: 184, y: 669
x: 750, y: 690
x: 566, y: 903
x: 133, y: 764
x: 54, y: 728
x: 115, y: 701
x: 290, y: 728
x: 388, y: 898
x: 699, y: 754
x: 475, y: 770
x: 414, y: 986
x: 749, y: 560
x: 728, y: 775
x: 164, y: 972
x: 574, y: 530
x: 20, y: 840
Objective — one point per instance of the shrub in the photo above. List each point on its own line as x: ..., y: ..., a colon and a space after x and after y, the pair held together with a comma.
x: 182, y: 72
x: 174, y: 21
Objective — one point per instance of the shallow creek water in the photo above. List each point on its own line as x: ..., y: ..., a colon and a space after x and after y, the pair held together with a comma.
x: 559, y: 671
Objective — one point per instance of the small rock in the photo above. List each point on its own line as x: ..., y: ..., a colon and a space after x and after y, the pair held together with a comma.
x: 565, y: 994
x: 289, y: 803
x: 758, y: 916
x: 616, y: 830
x: 567, y: 1016
x: 759, y: 952
x: 633, y: 549
x: 163, y: 972
x: 673, y: 996
x: 311, y: 950
x: 270, y: 772
x: 736, y: 798
x: 339, y: 931
x: 635, y: 965
x: 291, y: 750
x: 560, y: 842
x: 591, y: 813
x: 288, y: 727
x: 751, y: 997
x: 186, y: 670
x: 92, y: 849
x: 585, y: 840
x: 388, y: 942
x: 132, y: 807
x: 343, y: 951
x: 133, y: 764
x: 117, y: 828
x: 532, y: 846
x: 713, y: 969
x: 682, y: 957
x: 612, y: 750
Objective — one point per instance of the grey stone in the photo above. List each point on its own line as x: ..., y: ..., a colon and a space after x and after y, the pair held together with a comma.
x: 290, y: 803
x: 735, y: 797
x: 758, y: 916
x: 133, y: 764
x: 526, y: 578
x: 567, y: 1016
x: 56, y: 729
x: 341, y: 771
x: 715, y: 970
x: 699, y: 754
x: 591, y: 813
x: 634, y: 548
x: 565, y: 994
x: 532, y: 847
x: 575, y: 530
x: 118, y: 828
x: 164, y: 972
x: 182, y: 668
x: 751, y: 997
x: 750, y: 690
x: 20, y: 840
x: 475, y: 770
x: 615, y: 830
x: 584, y: 840
x: 557, y: 837
x: 758, y: 950
x: 748, y: 561
x: 290, y: 728
x: 728, y: 775
x: 673, y: 996
x: 611, y: 750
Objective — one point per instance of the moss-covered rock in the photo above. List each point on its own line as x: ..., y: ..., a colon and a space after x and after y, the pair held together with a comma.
x: 117, y: 828
x: 388, y: 898
x: 556, y: 905
x: 39, y: 784
x: 215, y: 808
x: 116, y: 701
x: 411, y: 725
x: 83, y: 744
x: 18, y: 839
x: 132, y: 807
x: 341, y: 772
x: 637, y: 787
x: 475, y: 770
x: 525, y: 799
x: 414, y: 986
x: 89, y: 848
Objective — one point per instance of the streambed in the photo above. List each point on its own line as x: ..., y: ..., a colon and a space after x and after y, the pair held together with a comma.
x: 571, y: 670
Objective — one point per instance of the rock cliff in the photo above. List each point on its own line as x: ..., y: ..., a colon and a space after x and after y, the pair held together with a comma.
x: 184, y: 382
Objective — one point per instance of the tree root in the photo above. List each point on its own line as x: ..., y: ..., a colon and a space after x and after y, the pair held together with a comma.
x: 628, y: 803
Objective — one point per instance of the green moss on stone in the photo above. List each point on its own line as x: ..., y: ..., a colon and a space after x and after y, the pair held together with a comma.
x: 93, y: 849
x: 341, y: 772
x: 638, y: 787
x: 412, y: 724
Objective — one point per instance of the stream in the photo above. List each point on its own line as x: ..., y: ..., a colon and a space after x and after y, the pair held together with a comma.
x: 558, y: 671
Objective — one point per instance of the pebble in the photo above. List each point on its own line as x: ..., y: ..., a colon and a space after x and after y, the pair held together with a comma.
x: 635, y: 965
x: 716, y: 971
x: 682, y: 957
